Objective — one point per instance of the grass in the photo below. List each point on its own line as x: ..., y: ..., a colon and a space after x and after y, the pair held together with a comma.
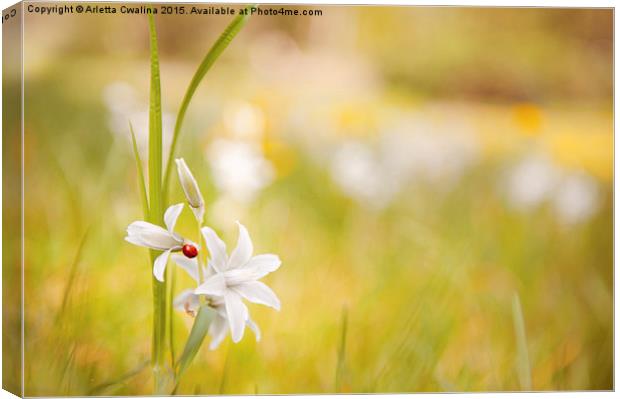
x: 428, y: 282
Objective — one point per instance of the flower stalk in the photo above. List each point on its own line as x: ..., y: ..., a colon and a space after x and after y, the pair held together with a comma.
x: 156, y: 209
x: 165, y: 242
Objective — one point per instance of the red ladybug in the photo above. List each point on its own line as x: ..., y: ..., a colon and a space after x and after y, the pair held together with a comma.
x: 190, y: 251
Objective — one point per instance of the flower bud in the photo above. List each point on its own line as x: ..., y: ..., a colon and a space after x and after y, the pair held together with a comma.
x: 190, y: 188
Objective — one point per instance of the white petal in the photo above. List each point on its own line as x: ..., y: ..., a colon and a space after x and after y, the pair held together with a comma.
x: 189, y: 185
x: 261, y: 265
x: 199, y: 213
x: 171, y: 216
x: 159, y: 267
x: 217, y: 331
x: 257, y: 292
x: 217, y: 249
x: 254, y: 327
x: 189, y: 265
x: 151, y: 236
x: 214, y: 285
x: 187, y: 301
x: 243, y: 252
x: 236, y: 313
x: 135, y: 240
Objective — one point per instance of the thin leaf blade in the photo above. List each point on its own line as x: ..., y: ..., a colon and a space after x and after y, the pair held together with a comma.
x: 214, y: 53
x: 522, y: 361
x: 156, y: 208
x: 196, y: 336
x: 141, y: 182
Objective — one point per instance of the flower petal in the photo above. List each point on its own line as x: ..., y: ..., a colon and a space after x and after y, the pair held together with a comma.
x: 256, y: 268
x: 189, y: 185
x: 187, y: 302
x: 243, y: 252
x: 263, y: 264
x: 257, y: 292
x: 254, y: 327
x: 214, y: 285
x: 159, y: 268
x: 171, y: 216
x: 199, y: 213
x: 217, y: 249
x: 151, y: 236
x: 236, y: 313
x: 189, y: 265
x: 217, y: 330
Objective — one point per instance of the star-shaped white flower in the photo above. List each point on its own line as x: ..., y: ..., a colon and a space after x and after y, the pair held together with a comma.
x: 189, y: 302
x: 236, y: 277
x: 151, y: 236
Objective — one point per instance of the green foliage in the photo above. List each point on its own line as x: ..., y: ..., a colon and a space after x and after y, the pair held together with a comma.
x: 141, y: 182
x: 196, y: 337
x: 214, y: 53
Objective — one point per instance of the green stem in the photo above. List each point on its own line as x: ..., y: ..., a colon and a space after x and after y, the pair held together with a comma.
x: 156, y: 210
x: 172, y: 276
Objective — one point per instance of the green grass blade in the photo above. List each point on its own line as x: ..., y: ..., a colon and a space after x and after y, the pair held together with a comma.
x: 155, y: 131
x: 341, y: 350
x: 110, y: 387
x: 72, y: 276
x: 171, y: 272
x: 142, y: 182
x: 522, y: 361
x: 216, y: 50
x: 196, y: 336
x: 156, y: 208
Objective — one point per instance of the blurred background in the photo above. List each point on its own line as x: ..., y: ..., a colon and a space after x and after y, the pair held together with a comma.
x: 437, y: 182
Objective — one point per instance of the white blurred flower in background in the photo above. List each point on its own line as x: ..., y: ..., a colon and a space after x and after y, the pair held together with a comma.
x: 407, y: 152
x: 435, y: 153
x: 359, y: 174
x: 123, y: 105
x: 577, y: 198
x: 244, y: 120
x: 239, y: 168
x: 531, y: 181
x: 536, y: 180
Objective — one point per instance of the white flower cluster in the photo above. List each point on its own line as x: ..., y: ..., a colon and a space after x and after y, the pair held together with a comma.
x: 225, y: 281
x: 416, y: 151
x: 535, y: 179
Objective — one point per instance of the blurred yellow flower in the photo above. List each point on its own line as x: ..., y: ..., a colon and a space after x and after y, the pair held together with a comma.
x: 528, y: 118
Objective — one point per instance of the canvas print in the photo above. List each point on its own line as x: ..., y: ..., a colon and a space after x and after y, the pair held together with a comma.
x: 205, y: 199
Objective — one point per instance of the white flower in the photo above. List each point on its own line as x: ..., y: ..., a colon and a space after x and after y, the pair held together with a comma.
x: 189, y: 302
x: 531, y: 182
x: 360, y: 175
x: 151, y: 236
x: 577, y: 198
x: 236, y: 277
x: 191, y: 189
x: 240, y: 169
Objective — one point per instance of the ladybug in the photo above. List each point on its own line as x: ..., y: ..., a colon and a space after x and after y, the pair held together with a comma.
x: 190, y: 251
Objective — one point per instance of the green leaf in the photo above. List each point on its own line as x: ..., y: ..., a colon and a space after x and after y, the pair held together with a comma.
x: 155, y: 131
x: 340, y: 365
x: 522, y: 361
x: 111, y: 387
x: 141, y: 182
x: 156, y: 210
x: 216, y: 50
x: 196, y: 336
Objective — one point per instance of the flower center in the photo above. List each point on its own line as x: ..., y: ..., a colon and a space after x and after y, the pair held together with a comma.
x: 190, y: 251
